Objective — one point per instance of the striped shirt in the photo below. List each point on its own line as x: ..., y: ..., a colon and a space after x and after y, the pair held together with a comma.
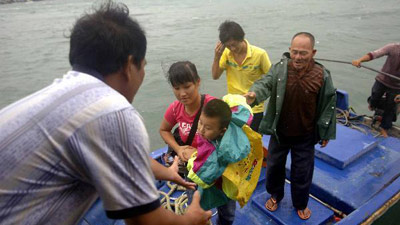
x: 391, y: 66
x: 66, y: 145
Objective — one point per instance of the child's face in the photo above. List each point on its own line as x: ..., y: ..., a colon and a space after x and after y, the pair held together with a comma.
x: 210, y: 128
x: 187, y: 93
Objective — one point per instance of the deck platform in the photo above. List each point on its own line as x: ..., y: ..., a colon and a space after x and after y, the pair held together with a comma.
x: 286, y: 214
x: 349, y: 146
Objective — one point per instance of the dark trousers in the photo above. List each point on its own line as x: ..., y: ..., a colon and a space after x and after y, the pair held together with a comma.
x: 226, y: 213
x: 255, y: 124
x: 389, y: 106
x: 302, y: 167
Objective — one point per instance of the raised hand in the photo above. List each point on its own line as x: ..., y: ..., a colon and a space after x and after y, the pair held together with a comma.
x: 219, y: 49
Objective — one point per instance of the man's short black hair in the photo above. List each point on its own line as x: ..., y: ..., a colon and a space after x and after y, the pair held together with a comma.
x: 307, y: 34
x: 104, y: 39
x: 217, y: 108
x: 182, y: 72
x: 230, y: 30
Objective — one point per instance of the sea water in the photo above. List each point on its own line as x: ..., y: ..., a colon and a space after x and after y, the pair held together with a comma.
x: 34, y: 42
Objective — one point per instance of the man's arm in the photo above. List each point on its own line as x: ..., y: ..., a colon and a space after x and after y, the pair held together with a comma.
x: 327, y: 120
x: 195, y: 215
x: 169, y: 173
x: 216, y: 71
x: 260, y: 90
x: 364, y: 58
x: 385, y: 50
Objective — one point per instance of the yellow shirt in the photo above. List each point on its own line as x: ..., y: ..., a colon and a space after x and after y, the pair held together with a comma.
x: 241, y: 77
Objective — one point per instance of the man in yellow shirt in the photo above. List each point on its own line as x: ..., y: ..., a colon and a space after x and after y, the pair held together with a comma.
x: 244, y: 64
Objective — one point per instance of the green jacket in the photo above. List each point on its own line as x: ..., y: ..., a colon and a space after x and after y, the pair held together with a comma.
x: 273, y: 85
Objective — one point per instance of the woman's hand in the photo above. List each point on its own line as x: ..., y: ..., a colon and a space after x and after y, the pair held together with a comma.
x: 184, y: 152
x: 181, y: 152
x: 188, y: 152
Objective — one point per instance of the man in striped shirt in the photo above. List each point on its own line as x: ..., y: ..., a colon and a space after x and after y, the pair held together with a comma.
x: 385, y: 84
x: 80, y: 138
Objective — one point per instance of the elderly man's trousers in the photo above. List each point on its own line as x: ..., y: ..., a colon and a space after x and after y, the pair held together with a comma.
x: 301, y: 169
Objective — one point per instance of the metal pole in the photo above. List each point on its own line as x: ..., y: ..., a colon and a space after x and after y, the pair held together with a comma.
x: 366, y: 67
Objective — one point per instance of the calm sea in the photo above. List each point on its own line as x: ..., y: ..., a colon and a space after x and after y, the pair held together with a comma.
x: 34, y: 42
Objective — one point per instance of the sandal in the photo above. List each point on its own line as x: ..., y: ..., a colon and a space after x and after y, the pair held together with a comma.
x: 271, y: 205
x: 304, y: 214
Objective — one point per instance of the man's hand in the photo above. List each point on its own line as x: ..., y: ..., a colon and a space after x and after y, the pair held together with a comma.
x: 250, y: 97
x: 219, y: 49
x: 356, y: 63
x: 176, y: 178
x: 195, y: 214
x: 324, y: 143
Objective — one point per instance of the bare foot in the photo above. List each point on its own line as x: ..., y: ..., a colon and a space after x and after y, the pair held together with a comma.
x: 384, y: 133
x: 271, y: 205
x: 304, y: 214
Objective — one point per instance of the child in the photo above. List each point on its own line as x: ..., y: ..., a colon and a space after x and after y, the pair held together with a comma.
x: 213, y: 123
x: 214, y: 120
x: 221, y: 143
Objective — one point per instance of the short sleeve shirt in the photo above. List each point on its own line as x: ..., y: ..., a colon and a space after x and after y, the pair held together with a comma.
x: 68, y: 144
x: 176, y: 114
x: 241, y: 77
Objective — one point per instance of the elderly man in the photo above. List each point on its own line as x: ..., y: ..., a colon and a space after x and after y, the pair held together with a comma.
x: 385, y: 84
x: 300, y: 113
x: 80, y: 138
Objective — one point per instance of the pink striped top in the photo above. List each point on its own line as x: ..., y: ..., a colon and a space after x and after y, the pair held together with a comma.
x: 391, y: 66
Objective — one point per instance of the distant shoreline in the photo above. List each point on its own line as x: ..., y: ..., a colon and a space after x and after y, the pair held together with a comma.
x: 13, y: 1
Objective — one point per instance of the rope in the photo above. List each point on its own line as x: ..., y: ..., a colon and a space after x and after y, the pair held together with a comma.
x: 366, y: 67
x: 343, y: 117
x: 179, y: 204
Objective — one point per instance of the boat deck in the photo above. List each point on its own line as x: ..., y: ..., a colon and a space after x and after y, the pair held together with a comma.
x: 356, y: 178
x: 353, y: 178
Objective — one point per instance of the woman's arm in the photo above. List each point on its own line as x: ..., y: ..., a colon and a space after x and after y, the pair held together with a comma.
x: 166, y: 135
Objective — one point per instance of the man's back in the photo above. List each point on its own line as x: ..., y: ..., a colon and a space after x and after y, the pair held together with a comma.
x: 48, y: 164
x: 391, y: 66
